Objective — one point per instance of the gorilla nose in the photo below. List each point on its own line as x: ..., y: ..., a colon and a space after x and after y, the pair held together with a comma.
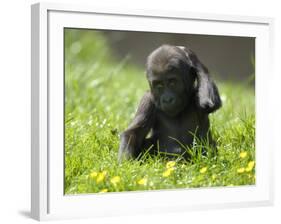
x: 169, y: 100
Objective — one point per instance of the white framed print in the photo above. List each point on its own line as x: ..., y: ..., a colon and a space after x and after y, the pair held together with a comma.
x: 138, y: 111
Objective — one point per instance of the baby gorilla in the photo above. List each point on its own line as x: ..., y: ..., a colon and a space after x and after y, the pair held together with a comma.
x: 176, y: 108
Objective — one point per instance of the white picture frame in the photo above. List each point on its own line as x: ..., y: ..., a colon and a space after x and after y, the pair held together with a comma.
x: 47, y: 193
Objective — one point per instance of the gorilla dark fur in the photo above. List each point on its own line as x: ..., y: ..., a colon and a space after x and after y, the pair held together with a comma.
x: 176, y: 108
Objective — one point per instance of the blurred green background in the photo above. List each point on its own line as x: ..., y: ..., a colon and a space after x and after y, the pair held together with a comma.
x: 104, y: 81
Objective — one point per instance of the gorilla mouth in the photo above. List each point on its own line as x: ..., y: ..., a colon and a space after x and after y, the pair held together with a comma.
x: 172, y: 110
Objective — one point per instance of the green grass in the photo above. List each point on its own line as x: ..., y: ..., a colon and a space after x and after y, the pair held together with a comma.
x: 101, y: 96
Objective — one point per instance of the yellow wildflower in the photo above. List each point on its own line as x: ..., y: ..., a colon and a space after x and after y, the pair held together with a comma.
x: 250, y: 166
x: 167, y: 172
x: 93, y: 174
x: 203, y: 169
x: 101, y: 176
x: 170, y: 164
x: 142, y: 181
x: 115, y: 180
x: 243, y: 154
x: 241, y: 170
x: 104, y: 190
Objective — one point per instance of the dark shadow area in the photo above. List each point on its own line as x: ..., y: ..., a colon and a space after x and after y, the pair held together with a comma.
x: 229, y: 58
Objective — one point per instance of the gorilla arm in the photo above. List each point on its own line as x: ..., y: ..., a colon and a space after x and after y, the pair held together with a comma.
x: 132, y: 139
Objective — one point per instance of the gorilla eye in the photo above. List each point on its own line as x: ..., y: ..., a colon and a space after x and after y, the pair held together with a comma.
x: 172, y: 82
x: 157, y: 85
x: 172, y: 68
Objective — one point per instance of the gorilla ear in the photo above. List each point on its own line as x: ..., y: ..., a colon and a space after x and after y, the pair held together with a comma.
x: 208, y: 98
